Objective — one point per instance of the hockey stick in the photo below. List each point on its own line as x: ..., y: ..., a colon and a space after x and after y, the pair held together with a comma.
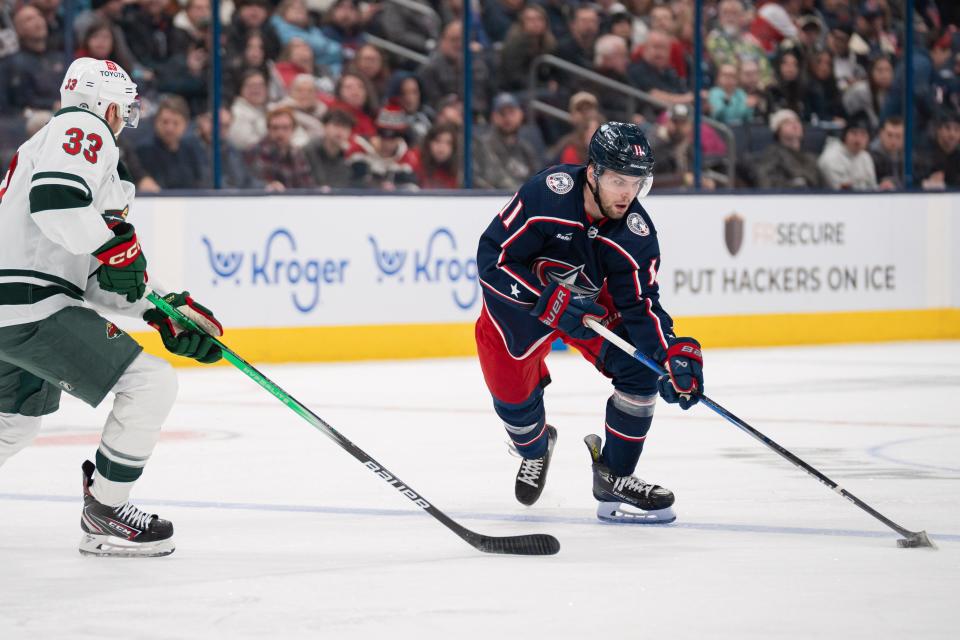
x: 910, y: 539
x: 538, y: 544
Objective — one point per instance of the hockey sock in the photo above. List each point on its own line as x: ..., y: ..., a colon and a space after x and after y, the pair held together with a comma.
x: 16, y: 432
x: 525, y: 424
x: 627, y: 422
x: 144, y: 395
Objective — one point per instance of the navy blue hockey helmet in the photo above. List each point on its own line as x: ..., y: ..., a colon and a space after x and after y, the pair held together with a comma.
x: 622, y: 147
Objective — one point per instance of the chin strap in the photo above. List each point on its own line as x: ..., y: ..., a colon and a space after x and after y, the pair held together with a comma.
x: 596, y: 192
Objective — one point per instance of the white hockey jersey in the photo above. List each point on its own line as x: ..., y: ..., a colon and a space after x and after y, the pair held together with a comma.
x: 59, y: 185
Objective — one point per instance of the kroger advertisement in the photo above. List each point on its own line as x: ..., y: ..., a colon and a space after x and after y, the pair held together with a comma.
x: 317, y: 261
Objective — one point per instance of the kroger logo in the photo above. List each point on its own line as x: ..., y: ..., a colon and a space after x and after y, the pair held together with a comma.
x: 278, y: 265
x: 436, y: 263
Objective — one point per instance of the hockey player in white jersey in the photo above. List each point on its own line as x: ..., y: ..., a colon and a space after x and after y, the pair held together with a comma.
x: 66, y: 244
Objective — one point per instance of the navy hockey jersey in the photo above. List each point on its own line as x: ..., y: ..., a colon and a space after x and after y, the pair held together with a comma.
x: 544, y: 234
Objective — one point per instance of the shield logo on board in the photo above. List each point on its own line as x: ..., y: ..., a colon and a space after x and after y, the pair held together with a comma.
x: 733, y: 232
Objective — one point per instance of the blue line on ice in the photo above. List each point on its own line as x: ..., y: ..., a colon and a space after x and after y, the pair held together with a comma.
x: 499, y: 517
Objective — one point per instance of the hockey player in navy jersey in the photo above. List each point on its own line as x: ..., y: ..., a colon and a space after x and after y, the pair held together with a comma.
x: 575, y: 243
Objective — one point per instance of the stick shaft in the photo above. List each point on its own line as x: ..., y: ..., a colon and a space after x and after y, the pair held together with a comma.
x: 538, y: 544
x: 652, y: 364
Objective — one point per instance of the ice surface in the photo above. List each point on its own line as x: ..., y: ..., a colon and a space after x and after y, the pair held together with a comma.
x: 281, y: 534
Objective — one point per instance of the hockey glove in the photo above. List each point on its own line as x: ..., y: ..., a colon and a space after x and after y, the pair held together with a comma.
x: 123, y: 268
x: 683, y: 361
x: 187, y: 342
x: 561, y: 308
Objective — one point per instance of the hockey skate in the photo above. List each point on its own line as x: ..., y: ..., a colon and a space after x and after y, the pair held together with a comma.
x: 532, y: 476
x: 123, y: 531
x: 627, y: 498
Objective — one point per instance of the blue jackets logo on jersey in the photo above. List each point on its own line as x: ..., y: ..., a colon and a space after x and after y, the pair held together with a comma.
x: 550, y: 270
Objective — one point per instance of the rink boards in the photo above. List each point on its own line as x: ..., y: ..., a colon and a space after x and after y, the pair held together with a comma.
x: 309, y: 278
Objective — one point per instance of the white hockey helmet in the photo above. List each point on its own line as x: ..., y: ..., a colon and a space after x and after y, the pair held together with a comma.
x: 93, y: 85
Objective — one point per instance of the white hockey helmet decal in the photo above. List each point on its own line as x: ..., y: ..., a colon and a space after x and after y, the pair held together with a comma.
x: 93, y: 85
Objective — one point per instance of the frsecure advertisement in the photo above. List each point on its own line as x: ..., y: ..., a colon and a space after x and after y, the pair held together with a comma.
x: 782, y: 254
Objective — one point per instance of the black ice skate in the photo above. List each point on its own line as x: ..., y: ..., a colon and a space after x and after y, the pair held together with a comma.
x: 122, y: 531
x: 532, y: 476
x: 627, y: 498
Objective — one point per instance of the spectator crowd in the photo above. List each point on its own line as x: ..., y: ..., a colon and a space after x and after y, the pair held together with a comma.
x: 330, y: 94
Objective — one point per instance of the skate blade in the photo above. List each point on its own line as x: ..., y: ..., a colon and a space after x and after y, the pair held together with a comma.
x: 113, y: 547
x: 617, y: 512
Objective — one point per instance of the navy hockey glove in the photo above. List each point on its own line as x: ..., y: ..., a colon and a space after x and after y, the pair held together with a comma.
x: 561, y: 308
x: 683, y: 361
x: 123, y: 268
x: 186, y: 342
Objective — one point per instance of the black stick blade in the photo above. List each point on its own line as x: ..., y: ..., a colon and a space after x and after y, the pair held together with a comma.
x: 918, y: 539
x: 537, y: 544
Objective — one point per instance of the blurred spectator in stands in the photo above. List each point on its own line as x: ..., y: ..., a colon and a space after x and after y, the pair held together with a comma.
x: 939, y: 166
x: 846, y: 69
x: 810, y: 36
x: 662, y: 19
x: 730, y: 42
x: 306, y: 108
x: 578, y: 47
x: 441, y: 74
x: 837, y: 13
x: 756, y: 96
x: 354, y: 95
x: 249, y: 111
x: 52, y: 14
x: 251, y: 16
x: 372, y: 65
x: 783, y: 165
x: 275, y: 160
x: 191, y: 25
x: 946, y: 81
x: 868, y: 95
x: 97, y: 41
x: 870, y: 36
x: 385, y: 161
x: 328, y: 155
x: 672, y: 142
x: 187, y: 75
x: 558, y: 16
x: 253, y: 57
x: 35, y: 72
x: 234, y: 173
x: 924, y: 96
x: 450, y: 111
x: 654, y: 74
x: 582, y: 106
x: 451, y: 10
x: 575, y: 144
x: 621, y: 24
x: 411, y: 29
x: 503, y: 160
x: 611, y: 60
x: 823, y: 98
x: 438, y: 158
x: 526, y: 40
x: 728, y: 102
x: 845, y: 164
x: 948, y: 78
x: 774, y: 22
x: 887, y: 153
x: 344, y: 23
x: 404, y: 89
x: 292, y: 20
x: 111, y: 12
x: 788, y: 92
x: 498, y: 16
x: 172, y: 159
x: 296, y: 59
x: 148, y: 29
